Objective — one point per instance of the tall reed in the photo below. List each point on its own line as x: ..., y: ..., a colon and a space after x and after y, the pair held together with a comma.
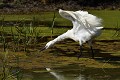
x: 3, y: 35
x: 117, y: 32
x: 28, y: 34
x: 34, y: 32
x: 53, y: 23
x: 4, y: 69
x: 6, y: 73
x: 15, y: 39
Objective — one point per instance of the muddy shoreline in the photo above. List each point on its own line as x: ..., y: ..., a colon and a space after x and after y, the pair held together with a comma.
x: 107, y: 55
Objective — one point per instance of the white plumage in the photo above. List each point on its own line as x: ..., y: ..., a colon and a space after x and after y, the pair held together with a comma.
x: 85, y: 27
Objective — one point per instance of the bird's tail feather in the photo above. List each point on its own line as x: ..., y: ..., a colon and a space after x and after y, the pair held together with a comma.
x: 99, y: 27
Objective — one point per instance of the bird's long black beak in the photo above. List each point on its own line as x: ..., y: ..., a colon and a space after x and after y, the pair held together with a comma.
x: 43, y: 49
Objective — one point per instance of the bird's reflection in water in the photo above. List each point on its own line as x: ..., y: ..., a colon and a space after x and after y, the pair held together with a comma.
x: 62, y: 77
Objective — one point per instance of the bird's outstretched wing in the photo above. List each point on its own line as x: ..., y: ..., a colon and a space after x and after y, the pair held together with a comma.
x: 92, y: 20
x: 84, y: 24
x: 81, y: 19
x: 67, y: 14
x: 73, y: 16
x: 87, y: 21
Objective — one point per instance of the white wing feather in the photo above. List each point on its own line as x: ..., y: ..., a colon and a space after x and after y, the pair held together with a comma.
x: 67, y: 14
x: 91, y: 19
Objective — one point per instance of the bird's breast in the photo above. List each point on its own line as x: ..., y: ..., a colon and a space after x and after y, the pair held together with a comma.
x: 72, y: 35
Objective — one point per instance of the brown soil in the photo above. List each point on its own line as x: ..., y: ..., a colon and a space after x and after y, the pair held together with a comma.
x: 107, y: 55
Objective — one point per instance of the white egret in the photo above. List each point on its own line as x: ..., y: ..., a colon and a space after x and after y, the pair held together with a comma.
x: 85, y: 28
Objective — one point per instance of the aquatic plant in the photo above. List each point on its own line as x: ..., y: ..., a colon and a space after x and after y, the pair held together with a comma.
x: 6, y: 70
x: 117, y: 31
x: 27, y: 34
x: 2, y: 36
x: 4, y: 62
x: 53, y: 22
x: 16, y: 39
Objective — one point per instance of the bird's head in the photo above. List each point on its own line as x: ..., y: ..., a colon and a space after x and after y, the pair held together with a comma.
x: 48, y: 45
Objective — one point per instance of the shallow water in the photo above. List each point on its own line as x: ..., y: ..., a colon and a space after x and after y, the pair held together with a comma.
x: 71, y: 72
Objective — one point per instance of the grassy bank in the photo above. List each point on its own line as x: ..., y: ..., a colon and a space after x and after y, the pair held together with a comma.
x: 46, y: 31
x: 43, y: 22
x: 110, y: 17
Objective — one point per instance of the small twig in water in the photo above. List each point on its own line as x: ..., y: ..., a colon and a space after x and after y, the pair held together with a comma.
x: 105, y: 64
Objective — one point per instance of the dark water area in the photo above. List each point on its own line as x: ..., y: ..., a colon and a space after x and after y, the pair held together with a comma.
x: 72, y: 72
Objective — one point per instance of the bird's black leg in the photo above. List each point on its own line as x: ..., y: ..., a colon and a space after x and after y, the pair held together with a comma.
x: 79, y: 55
x: 92, y: 52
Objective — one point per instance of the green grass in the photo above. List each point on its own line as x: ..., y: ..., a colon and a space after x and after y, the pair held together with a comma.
x: 108, y: 35
x: 44, y: 31
x: 110, y: 20
x: 42, y: 16
x: 110, y: 17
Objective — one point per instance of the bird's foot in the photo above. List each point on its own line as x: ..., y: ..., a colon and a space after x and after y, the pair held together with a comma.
x: 92, y: 57
x: 78, y: 56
